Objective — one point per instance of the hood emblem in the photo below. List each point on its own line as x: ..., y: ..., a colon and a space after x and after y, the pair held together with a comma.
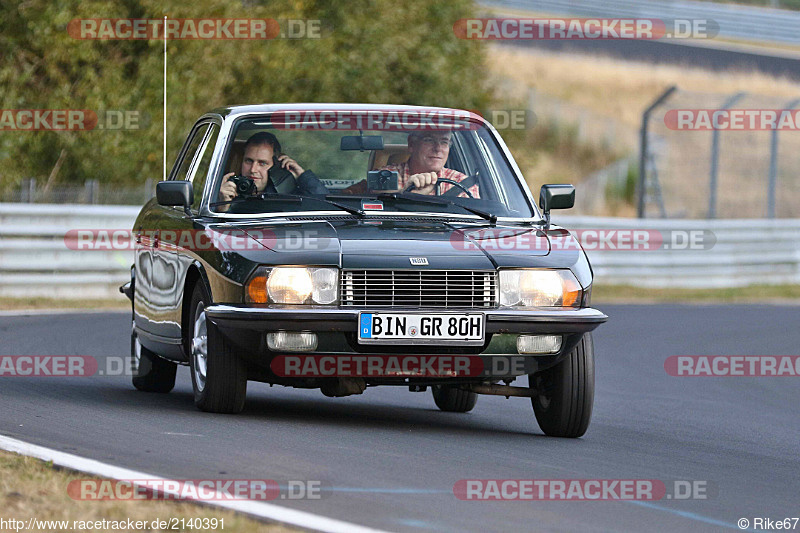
x: 418, y: 261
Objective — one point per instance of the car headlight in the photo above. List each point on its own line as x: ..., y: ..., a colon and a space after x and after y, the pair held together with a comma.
x: 539, y: 288
x: 293, y: 285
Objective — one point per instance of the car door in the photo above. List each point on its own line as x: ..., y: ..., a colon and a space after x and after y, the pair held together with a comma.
x: 178, y: 242
x: 164, y: 276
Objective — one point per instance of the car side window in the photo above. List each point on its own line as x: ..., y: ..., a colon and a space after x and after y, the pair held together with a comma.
x: 191, y: 152
x: 200, y: 170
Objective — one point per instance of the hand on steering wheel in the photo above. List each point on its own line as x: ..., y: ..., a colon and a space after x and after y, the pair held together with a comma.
x: 451, y: 182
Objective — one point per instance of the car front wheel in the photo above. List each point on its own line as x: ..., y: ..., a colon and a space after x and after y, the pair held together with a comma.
x: 219, y: 376
x: 564, y: 394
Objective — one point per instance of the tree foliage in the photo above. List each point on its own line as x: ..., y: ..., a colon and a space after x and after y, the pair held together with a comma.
x: 373, y: 51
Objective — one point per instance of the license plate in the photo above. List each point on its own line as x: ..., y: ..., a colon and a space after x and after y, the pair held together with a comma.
x: 418, y: 328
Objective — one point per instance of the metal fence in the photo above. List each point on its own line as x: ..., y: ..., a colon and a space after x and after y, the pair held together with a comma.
x: 717, y: 172
x: 735, y: 21
x: 35, y: 261
x: 91, y: 192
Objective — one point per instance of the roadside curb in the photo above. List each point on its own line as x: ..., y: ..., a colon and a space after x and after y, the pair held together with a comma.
x: 261, y: 510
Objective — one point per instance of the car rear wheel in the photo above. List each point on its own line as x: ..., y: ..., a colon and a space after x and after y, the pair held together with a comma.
x: 219, y: 376
x: 565, y: 393
x: 454, y: 400
x: 151, y: 373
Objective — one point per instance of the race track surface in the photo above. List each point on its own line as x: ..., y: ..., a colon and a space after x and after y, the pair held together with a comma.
x: 389, y: 459
x: 713, y: 57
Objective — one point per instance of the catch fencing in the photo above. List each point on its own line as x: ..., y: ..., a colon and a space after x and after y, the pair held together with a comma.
x: 712, y: 155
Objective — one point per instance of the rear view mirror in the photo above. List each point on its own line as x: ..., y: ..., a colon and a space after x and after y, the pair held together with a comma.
x: 362, y: 142
x: 177, y: 192
x: 555, y: 196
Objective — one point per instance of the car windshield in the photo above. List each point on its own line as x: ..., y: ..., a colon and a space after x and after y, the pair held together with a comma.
x: 407, y: 163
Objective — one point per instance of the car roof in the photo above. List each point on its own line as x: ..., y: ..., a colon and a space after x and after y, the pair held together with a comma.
x: 271, y: 108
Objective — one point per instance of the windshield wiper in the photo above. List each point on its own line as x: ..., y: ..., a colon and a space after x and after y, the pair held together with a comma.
x: 351, y: 210
x: 438, y: 201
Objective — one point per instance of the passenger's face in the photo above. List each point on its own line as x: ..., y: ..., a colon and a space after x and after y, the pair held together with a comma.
x: 256, y: 164
x: 428, y: 153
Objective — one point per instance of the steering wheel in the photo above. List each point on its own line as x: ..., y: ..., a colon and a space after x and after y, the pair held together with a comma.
x: 451, y: 182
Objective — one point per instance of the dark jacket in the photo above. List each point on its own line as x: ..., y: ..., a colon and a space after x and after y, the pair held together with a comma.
x: 305, y: 184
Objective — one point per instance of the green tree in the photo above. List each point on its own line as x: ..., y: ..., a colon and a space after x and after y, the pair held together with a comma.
x: 389, y: 51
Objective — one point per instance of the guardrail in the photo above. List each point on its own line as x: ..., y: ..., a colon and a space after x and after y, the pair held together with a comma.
x: 735, y: 21
x: 35, y: 262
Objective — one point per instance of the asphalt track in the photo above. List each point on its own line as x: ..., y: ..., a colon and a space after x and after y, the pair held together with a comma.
x: 389, y: 459
x: 713, y: 56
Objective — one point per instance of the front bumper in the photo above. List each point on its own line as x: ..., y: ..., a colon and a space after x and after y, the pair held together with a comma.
x: 264, y: 319
x: 337, y: 330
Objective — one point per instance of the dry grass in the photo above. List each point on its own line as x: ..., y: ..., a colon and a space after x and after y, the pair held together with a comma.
x: 21, y: 304
x: 784, y: 294
x: 30, y: 488
x: 622, y: 89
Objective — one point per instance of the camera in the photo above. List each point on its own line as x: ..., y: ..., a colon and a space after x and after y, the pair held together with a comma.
x: 244, y: 185
x: 382, y: 180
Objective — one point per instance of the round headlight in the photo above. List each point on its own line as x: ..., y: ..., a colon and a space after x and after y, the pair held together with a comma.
x: 325, y: 283
x: 289, y: 285
x: 540, y: 288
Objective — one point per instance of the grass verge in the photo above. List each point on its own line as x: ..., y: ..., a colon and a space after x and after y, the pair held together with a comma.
x: 30, y: 488
x: 752, y: 294
x: 21, y: 304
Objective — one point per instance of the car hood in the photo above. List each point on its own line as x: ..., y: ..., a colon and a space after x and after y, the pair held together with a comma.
x: 383, y: 243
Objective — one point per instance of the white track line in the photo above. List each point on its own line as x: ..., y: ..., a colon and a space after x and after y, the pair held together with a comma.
x: 259, y: 509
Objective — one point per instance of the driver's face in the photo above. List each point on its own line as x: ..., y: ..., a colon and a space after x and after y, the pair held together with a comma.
x: 256, y: 164
x: 428, y: 152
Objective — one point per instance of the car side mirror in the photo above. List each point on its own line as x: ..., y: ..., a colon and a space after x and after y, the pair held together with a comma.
x: 175, y: 193
x: 555, y: 196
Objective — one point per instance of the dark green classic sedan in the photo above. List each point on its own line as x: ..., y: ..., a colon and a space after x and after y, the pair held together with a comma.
x: 342, y: 247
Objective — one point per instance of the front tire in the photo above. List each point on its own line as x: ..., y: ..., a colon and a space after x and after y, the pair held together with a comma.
x: 151, y: 373
x: 219, y: 376
x: 565, y: 393
x: 453, y: 400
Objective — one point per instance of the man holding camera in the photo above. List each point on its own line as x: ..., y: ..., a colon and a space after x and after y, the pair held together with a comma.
x: 428, y: 153
x: 259, y: 157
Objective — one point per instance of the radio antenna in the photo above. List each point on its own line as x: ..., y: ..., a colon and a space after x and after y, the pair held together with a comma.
x: 164, y: 164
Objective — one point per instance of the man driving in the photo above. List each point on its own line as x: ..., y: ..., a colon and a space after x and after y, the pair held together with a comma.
x: 428, y: 153
x: 259, y: 157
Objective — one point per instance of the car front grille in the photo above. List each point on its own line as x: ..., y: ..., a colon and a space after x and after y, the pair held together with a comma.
x: 419, y: 288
